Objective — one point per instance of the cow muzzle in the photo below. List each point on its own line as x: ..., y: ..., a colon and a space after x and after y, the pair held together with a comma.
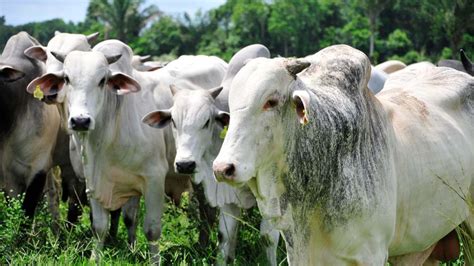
x: 80, y: 123
x: 224, y: 171
x: 186, y: 167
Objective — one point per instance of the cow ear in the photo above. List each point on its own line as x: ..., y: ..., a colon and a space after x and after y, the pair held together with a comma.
x: 215, y: 91
x: 157, y: 119
x: 122, y: 84
x: 92, y: 37
x: 223, y: 118
x: 301, y: 103
x: 49, y: 83
x: 36, y: 52
x: 10, y: 74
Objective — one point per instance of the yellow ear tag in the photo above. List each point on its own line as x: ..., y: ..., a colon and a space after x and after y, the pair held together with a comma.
x: 38, y: 93
x: 223, y: 133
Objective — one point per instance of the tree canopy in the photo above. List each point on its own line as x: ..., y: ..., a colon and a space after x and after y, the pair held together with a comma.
x: 384, y: 29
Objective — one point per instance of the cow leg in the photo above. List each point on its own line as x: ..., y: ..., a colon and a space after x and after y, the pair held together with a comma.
x: 207, y: 216
x: 53, y: 191
x: 33, y: 194
x: 228, y: 226
x: 130, y: 210
x: 154, y: 202
x: 100, y: 224
x: 271, y: 237
x: 77, y: 199
x: 114, y: 223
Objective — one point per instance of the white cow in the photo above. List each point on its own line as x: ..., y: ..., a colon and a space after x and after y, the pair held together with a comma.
x: 348, y: 177
x: 121, y: 157
x: 390, y: 66
x: 198, y: 118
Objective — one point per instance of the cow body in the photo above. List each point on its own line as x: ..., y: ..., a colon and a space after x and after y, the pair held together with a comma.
x: 390, y: 66
x: 347, y: 176
x: 28, y: 128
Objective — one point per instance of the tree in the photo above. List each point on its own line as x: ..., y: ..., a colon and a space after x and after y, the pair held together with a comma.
x: 123, y: 19
x: 372, y: 9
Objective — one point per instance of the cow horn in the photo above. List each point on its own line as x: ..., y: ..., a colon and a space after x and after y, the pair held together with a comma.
x: 92, y: 37
x: 145, y: 58
x: 113, y: 58
x: 59, y: 56
x: 296, y: 66
x: 465, y: 61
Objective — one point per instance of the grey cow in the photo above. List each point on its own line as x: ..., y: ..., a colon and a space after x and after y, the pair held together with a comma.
x: 28, y: 127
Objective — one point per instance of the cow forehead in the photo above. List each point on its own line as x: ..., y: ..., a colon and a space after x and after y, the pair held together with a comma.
x: 195, y: 106
x: 257, y: 80
x: 85, y: 64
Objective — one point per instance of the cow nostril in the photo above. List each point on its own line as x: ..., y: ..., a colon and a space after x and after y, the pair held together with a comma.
x: 229, y: 170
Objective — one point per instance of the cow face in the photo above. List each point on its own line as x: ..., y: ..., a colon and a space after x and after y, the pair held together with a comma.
x: 258, y: 98
x: 88, y: 83
x: 196, y: 124
x: 60, y: 44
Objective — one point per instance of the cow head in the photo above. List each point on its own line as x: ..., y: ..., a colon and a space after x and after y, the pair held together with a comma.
x: 61, y: 44
x: 88, y: 83
x: 196, y: 123
x: 258, y: 97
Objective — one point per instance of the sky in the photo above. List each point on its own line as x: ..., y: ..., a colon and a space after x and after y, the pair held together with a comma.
x: 19, y: 12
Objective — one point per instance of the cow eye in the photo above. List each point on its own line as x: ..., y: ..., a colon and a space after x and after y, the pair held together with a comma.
x: 207, y: 123
x: 270, y: 104
x: 66, y: 79
x: 102, y: 82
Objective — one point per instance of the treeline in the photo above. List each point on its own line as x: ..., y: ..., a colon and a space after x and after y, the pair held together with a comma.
x: 384, y: 29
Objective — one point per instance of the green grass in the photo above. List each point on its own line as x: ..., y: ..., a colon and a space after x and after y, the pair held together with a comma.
x: 178, y: 243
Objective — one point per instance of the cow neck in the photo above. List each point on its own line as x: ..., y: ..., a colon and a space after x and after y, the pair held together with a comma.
x: 340, y: 172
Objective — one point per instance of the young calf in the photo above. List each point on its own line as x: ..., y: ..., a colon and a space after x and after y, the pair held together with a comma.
x: 121, y: 157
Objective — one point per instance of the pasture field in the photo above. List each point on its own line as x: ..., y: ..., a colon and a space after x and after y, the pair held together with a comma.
x: 179, y: 239
x: 39, y: 246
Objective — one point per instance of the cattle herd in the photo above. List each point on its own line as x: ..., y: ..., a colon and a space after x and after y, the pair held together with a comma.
x: 352, y: 164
